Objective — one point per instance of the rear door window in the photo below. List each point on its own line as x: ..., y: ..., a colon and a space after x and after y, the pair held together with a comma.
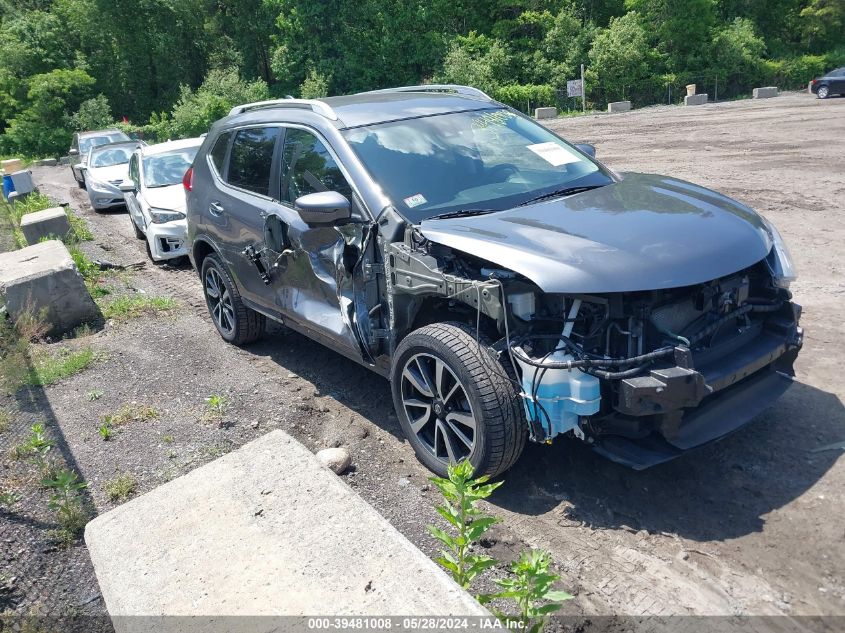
x: 218, y: 152
x: 251, y: 160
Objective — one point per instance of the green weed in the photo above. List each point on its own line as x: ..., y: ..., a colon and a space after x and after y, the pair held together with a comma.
x: 130, y: 413
x: 105, y: 431
x: 121, y: 487
x: 94, y: 395
x: 5, y: 421
x: 48, y: 368
x: 66, y: 500
x: 216, y: 405
x: 125, y: 308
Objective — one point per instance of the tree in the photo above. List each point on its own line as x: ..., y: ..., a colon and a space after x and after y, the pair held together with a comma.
x: 822, y: 24
x: 41, y: 128
x: 681, y: 29
x: 621, y: 55
x: 93, y: 114
x: 475, y: 60
x: 314, y: 86
x: 738, y: 51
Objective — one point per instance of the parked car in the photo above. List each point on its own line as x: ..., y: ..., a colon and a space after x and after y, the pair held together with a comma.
x: 105, y: 170
x: 506, y: 282
x: 83, y: 142
x: 833, y: 83
x: 155, y: 197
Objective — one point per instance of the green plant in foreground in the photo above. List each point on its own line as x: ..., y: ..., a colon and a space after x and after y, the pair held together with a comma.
x: 130, y: 413
x: 8, y: 499
x: 48, y: 368
x: 216, y: 404
x: 105, y: 431
x: 66, y: 500
x: 96, y: 394
x: 119, y: 488
x: 124, y: 308
x: 36, y: 447
x: 532, y: 590
x: 462, y: 493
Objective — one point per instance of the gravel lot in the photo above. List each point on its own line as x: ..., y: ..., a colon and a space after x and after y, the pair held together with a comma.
x: 746, y: 526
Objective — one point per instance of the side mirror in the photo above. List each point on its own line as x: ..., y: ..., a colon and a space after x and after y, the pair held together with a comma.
x: 323, y: 208
x: 127, y: 187
x: 73, y: 152
x: 586, y: 148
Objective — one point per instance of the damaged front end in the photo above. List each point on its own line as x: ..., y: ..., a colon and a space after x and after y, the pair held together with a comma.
x: 641, y: 376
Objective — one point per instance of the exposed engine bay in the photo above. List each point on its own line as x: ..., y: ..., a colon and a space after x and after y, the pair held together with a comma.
x: 630, y: 372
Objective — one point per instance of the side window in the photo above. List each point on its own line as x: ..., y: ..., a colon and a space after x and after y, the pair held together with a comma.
x: 309, y: 167
x: 134, y: 173
x: 251, y: 160
x: 218, y: 152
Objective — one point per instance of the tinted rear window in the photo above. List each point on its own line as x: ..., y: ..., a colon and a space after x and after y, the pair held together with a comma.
x: 218, y: 153
x: 252, y: 158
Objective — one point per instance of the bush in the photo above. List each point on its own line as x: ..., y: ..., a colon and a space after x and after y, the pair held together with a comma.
x: 94, y: 114
x: 315, y: 86
x: 526, y: 97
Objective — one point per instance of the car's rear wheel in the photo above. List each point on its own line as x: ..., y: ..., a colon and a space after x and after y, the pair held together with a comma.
x: 824, y: 92
x: 455, y: 401
x: 235, y: 322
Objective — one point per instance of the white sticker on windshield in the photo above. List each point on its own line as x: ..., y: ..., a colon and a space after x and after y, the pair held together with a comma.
x: 554, y: 154
x: 415, y: 201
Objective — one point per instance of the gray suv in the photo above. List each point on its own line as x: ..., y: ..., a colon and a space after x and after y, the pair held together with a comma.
x: 508, y: 284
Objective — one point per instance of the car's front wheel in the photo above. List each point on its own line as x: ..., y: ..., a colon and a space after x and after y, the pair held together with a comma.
x: 138, y: 233
x: 824, y: 92
x: 236, y: 323
x: 455, y: 401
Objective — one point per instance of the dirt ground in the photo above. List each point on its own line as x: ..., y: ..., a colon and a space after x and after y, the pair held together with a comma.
x: 749, y: 526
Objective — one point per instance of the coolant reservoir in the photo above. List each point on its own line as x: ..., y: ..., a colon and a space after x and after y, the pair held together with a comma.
x: 557, y: 397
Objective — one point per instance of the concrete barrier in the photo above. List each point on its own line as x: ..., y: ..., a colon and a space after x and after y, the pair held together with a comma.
x: 765, y: 93
x: 263, y: 531
x: 694, y: 100
x: 42, y: 280
x: 619, y: 106
x: 51, y: 223
x: 545, y: 113
x: 47, y: 162
x: 22, y: 180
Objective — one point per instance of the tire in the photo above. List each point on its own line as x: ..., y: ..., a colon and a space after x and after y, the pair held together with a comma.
x: 823, y: 92
x: 138, y: 232
x: 484, y: 395
x: 245, y: 325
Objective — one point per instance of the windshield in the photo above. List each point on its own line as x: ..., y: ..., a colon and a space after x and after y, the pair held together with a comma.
x: 86, y: 144
x: 163, y: 170
x: 110, y: 156
x: 485, y: 159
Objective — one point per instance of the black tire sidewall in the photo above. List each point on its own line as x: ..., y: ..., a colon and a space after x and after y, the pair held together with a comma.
x: 418, y: 342
x: 213, y: 261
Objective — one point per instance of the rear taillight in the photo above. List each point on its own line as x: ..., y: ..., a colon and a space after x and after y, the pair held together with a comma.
x: 814, y: 82
x: 188, y: 179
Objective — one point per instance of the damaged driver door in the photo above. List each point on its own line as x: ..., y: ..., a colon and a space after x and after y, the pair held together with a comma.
x: 311, y: 251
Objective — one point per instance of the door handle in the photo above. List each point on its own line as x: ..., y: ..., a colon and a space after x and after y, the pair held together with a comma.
x: 215, y: 208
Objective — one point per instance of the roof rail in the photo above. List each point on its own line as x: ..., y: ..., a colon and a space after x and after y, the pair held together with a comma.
x: 468, y: 91
x: 317, y: 106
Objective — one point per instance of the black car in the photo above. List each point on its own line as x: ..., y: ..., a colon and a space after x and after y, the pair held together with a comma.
x: 833, y: 83
x: 507, y: 283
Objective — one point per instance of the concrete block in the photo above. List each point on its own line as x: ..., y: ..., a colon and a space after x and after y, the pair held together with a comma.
x: 765, y: 93
x: 691, y: 90
x: 42, y: 280
x: 11, y: 165
x: 15, y: 197
x: 694, y: 100
x: 51, y: 223
x: 545, y: 113
x: 263, y: 531
x: 619, y: 106
x: 23, y: 181
x: 47, y: 162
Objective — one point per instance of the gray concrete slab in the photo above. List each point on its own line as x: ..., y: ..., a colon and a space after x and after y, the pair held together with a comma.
x: 694, y: 100
x: 545, y: 113
x: 42, y: 280
x: 619, y: 106
x: 263, y: 531
x: 765, y: 93
x: 51, y: 223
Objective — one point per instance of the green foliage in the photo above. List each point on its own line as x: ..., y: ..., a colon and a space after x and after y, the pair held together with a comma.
x: 195, y: 111
x: 48, y: 368
x: 314, y: 86
x: 125, y: 308
x: 93, y: 114
x: 532, y: 589
x: 216, y: 405
x: 526, y: 97
x: 41, y: 128
x: 468, y: 523
x: 105, y: 431
x: 475, y: 60
x: 121, y: 487
x: 94, y: 395
x: 66, y: 500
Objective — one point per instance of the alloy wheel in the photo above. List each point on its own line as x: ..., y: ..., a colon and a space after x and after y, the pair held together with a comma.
x: 219, y: 301
x: 438, y: 409
x: 824, y: 91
